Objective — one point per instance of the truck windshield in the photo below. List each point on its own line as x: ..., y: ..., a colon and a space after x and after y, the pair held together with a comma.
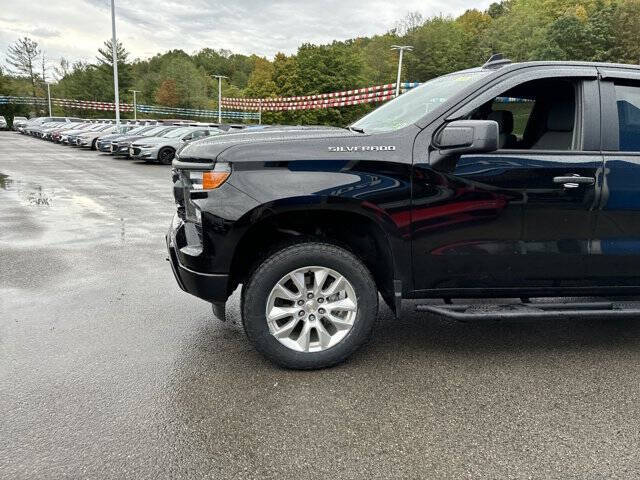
x: 410, y: 107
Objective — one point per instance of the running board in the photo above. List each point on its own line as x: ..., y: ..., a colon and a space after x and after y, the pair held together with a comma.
x: 530, y: 311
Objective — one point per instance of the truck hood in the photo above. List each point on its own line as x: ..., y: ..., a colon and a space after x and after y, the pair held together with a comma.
x: 234, y: 144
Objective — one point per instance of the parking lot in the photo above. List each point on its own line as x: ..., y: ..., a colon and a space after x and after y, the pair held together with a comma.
x: 108, y: 370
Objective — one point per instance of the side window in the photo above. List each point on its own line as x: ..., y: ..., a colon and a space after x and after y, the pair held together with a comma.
x: 536, y: 115
x: 519, y: 109
x: 628, y: 103
x: 199, y: 134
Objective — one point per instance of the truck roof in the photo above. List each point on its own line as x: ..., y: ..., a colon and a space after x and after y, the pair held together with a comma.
x: 506, y: 65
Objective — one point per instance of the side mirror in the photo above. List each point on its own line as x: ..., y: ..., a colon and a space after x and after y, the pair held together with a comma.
x: 467, y: 136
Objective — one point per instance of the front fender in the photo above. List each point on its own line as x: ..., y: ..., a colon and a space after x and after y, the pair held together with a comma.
x: 377, y: 190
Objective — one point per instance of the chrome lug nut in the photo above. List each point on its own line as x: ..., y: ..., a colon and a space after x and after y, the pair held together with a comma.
x: 312, y: 317
x: 321, y: 311
x: 300, y: 302
x: 309, y: 295
x: 301, y: 313
x: 320, y: 300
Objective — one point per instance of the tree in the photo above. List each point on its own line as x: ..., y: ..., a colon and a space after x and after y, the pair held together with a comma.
x: 62, y: 69
x: 496, y: 10
x: 439, y: 48
x: 408, y: 23
x: 474, y: 25
x: 189, y: 81
x: 167, y: 94
x: 22, y: 56
x: 627, y: 26
x: 261, y: 84
x: 105, y: 67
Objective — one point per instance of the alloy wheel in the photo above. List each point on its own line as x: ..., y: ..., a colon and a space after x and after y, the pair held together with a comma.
x: 311, y: 309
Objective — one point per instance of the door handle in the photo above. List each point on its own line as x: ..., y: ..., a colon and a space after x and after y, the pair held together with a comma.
x: 574, y: 181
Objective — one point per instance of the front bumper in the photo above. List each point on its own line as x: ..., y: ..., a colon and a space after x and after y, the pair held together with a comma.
x: 143, y: 153
x: 212, y: 287
x: 104, y: 147
x: 120, y: 150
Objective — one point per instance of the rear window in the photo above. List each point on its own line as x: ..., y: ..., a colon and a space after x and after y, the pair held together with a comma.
x: 628, y: 103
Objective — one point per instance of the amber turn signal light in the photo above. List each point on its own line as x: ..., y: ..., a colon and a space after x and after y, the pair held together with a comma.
x: 211, y: 180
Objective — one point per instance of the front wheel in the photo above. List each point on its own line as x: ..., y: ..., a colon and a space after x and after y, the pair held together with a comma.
x: 309, y: 306
x: 165, y: 155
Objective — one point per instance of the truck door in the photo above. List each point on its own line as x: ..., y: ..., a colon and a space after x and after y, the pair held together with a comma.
x: 617, y: 234
x: 521, y: 217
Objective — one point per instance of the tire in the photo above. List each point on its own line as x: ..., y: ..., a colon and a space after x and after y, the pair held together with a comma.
x: 165, y: 155
x: 93, y: 144
x: 355, y: 326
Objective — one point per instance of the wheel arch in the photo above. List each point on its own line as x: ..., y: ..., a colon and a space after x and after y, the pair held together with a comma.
x: 365, y: 232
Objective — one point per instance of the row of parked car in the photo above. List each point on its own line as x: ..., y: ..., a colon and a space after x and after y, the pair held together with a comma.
x: 148, y: 140
x: 16, y: 122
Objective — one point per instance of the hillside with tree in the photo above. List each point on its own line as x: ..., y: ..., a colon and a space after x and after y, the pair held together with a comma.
x: 592, y: 30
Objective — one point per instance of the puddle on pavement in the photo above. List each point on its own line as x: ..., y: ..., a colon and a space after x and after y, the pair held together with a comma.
x: 62, y: 217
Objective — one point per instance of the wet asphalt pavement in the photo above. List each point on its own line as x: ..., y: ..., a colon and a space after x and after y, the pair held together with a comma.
x: 108, y: 370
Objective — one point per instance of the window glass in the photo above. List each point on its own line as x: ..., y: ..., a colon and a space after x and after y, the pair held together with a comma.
x: 520, y: 109
x: 628, y: 102
x: 416, y: 103
x: 178, y: 132
x: 536, y: 115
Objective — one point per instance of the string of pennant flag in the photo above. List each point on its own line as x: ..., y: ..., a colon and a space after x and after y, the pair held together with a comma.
x: 246, y: 108
x: 124, y: 107
x: 374, y: 94
x: 243, y: 108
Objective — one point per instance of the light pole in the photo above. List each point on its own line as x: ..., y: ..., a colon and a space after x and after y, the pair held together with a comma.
x: 401, y: 49
x: 115, y: 61
x: 219, y: 77
x: 135, y: 105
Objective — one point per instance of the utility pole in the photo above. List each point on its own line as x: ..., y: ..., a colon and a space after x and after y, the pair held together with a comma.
x: 115, y: 61
x: 260, y: 114
x: 401, y: 49
x: 135, y: 105
x: 219, y: 77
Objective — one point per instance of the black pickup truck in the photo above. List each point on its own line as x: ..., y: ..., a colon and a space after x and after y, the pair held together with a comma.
x: 511, y: 180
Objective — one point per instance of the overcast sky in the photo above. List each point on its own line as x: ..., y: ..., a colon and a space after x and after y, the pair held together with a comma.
x: 76, y: 28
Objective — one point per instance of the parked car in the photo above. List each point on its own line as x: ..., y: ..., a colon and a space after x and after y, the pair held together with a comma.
x: 19, y: 122
x: 90, y: 137
x: 36, y: 126
x: 104, y: 141
x: 3, y: 123
x: 62, y: 131
x: 47, y: 129
x: 162, y: 148
x: 509, y: 180
x: 73, y: 136
x: 121, y: 146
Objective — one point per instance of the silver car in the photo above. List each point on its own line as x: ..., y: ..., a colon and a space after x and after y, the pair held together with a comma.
x: 89, y: 138
x: 3, y: 123
x: 19, y: 122
x: 162, y: 149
